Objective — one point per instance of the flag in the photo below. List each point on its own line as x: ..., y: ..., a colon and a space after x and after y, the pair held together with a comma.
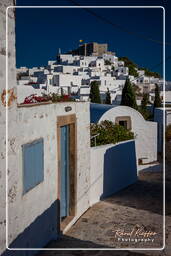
x: 80, y: 40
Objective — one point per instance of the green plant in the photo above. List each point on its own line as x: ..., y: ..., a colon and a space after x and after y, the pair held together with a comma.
x: 145, y: 100
x: 128, y: 62
x: 157, y: 100
x: 150, y: 73
x: 108, y: 62
x: 132, y: 71
x: 128, y: 95
x: 146, y: 113
x: 131, y: 65
x: 109, y: 133
x: 94, y: 92
x: 108, y: 97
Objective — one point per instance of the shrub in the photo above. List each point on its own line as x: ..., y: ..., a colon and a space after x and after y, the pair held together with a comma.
x: 108, y: 97
x: 145, y: 100
x: 109, y: 133
x: 108, y: 62
x: 95, y: 92
x: 128, y: 95
x: 132, y: 71
x: 157, y: 100
x: 150, y: 73
x: 131, y: 65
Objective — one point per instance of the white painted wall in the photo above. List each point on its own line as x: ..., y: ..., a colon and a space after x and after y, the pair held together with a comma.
x: 168, y: 96
x: 67, y: 80
x: 96, y: 173
x: 66, y: 69
x: 113, y: 167
x: 41, y: 122
x: 111, y: 83
x: 168, y: 117
x: 25, y: 91
x: 111, y: 58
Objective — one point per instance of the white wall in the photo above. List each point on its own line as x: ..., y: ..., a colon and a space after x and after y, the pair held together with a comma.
x: 168, y: 96
x: 113, y: 167
x: 66, y: 68
x: 25, y: 91
x: 67, y: 80
x: 168, y: 117
x: 41, y: 122
x: 111, y: 58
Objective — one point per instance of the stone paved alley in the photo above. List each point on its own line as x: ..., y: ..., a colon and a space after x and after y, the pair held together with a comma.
x: 139, y: 204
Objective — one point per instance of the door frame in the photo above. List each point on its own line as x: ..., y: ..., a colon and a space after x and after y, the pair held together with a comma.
x: 71, y: 121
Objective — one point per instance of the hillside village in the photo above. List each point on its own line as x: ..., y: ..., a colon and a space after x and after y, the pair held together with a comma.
x: 73, y: 74
x: 74, y: 167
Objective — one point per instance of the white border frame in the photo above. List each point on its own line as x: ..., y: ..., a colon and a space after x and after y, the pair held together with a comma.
x: 102, y: 249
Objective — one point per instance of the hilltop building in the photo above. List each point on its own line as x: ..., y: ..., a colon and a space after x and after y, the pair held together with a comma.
x: 91, y: 49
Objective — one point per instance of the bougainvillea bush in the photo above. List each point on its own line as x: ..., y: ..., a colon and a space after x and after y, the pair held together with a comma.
x: 45, y: 98
x: 33, y: 98
x: 109, y: 133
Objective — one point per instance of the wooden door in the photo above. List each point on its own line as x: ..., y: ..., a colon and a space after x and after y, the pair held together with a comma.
x: 64, y: 146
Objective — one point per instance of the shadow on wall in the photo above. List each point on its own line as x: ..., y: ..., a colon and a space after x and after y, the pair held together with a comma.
x: 120, y: 168
x: 44, y: 229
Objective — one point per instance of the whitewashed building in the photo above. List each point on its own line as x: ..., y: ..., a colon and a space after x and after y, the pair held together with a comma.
x: 71, y: 72
x: 48, y: 159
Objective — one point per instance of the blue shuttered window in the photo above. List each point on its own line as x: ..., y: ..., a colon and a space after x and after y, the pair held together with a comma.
x: 33, y: 164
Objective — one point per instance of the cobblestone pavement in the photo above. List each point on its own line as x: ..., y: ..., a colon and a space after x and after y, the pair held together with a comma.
x: 139, y: 204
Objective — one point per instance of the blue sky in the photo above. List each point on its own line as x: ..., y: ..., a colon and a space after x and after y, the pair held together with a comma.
x: 41, y: 32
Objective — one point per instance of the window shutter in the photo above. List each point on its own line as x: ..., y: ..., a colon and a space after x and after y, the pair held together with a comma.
x: 33, y: 164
